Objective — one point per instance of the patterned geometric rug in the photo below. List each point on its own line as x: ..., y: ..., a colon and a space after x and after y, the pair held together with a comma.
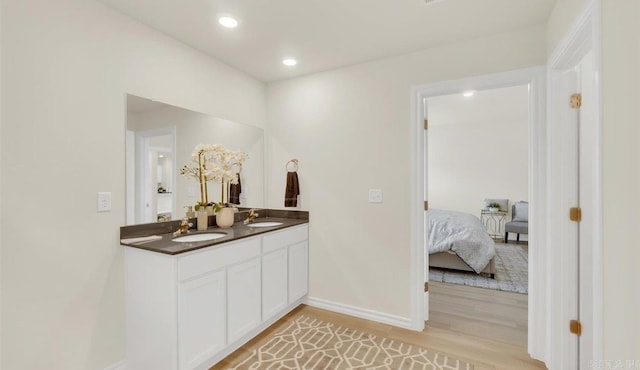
x: 511, y: 271
x: 311, y: 344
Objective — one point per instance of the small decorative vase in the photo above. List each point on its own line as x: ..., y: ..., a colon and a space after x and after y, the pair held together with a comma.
x: 493, y: 209
x: 203, y: 219
x: 224, y: 217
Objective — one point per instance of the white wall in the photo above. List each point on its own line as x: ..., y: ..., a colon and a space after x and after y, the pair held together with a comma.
x: 478, y: 148
x: 351, y: 130
x: 67, y: 65
x: 621, y: 155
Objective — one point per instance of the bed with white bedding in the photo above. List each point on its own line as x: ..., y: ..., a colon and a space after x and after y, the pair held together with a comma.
x: 459, y: 241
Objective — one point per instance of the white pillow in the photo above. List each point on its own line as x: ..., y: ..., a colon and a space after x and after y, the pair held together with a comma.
x: 522, y: 212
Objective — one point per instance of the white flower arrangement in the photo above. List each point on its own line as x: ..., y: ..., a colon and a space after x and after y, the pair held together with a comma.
x: 214, y: 163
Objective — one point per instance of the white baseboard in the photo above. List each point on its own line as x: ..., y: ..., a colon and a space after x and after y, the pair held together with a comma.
x: 120, y: 365
x: 363, y: 313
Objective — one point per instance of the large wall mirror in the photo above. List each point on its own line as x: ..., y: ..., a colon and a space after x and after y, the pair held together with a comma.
x: 159, y: 141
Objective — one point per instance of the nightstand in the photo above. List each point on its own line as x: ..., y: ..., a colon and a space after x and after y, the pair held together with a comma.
x: 494, y: 222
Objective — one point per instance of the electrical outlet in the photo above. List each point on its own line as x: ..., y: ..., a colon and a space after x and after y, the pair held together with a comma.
x: 375, y: 195
x: 104, y: 201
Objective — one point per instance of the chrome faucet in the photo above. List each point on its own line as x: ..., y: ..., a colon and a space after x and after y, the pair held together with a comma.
x: 184, y: 227
x: 251, y: 216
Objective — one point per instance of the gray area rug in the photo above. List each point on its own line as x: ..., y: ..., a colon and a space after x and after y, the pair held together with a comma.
x: 511, y: 271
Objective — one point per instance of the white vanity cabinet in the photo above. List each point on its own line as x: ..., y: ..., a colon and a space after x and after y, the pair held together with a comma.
x: 190, y: 310
x: 243, y: 294
x: 274, y: 282
x: 201, y: 318
x: 298, y: 271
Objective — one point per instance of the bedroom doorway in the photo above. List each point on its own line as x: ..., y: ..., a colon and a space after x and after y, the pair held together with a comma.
x: 481, y: 158
x: 477, y: 150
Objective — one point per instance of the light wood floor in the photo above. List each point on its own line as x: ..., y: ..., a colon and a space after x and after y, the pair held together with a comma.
x: 485, y: 327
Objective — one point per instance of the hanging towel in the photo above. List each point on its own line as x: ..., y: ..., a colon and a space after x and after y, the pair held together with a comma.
x: 292, y: 190
x: 234, y: 192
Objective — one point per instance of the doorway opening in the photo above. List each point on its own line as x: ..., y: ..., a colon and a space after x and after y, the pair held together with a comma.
x: 533, y: 78
x: 477, y: 171
x: 151, y: 162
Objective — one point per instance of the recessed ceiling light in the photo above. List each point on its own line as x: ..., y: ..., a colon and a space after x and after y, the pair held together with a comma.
x: 290, y: 62
x: 468, y: 94
x: 228, y: 22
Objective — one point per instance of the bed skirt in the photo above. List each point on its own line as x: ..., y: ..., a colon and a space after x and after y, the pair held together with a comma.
x: 452, y: 261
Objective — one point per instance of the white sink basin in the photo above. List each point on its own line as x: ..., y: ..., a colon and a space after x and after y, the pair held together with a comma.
x: 199, y: 237
x: 265, y: 224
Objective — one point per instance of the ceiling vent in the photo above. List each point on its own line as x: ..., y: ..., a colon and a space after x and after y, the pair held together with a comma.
x: 428, y: 2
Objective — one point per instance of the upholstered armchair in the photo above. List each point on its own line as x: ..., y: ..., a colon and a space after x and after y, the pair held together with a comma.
x: 519, y: 223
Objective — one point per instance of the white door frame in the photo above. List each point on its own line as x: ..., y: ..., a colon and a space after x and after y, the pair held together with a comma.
x: 583, y: 37
x: 535, y: 77
x: 141, y: 149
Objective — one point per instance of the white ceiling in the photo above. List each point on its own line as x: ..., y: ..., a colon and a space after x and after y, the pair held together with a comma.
x: 507, y: 104
x: 326, y: 34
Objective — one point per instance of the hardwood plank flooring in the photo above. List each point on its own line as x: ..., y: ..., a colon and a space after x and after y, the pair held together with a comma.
x: 485, y: 327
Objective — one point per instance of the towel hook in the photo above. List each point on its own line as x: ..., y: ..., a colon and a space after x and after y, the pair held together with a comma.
x: 294, y: 162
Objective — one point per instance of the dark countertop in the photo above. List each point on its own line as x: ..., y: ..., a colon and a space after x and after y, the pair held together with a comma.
x: 236, y: 232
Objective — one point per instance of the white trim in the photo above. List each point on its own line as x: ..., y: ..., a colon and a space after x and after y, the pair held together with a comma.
x: 586, y: 34
x: 538, y: 175
x: 141, y: 149
x: 363, y: 313
x: 120, y: 365
x: 418, y: 299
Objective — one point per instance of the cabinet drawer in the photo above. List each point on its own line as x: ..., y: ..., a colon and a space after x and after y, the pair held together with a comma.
x: 218, y: 257
x: 285, y: 238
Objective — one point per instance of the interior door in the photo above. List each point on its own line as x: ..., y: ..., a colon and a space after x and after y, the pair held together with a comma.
x: 587, y: 136
x: 574, y: 135
x: 564, y: 178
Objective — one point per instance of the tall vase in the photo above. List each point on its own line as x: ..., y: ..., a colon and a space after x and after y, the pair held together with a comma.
x: 203, y: 219
x: 224, y: 217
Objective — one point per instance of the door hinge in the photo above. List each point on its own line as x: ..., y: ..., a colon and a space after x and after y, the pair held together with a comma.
x: 575, y: 327
x: 575, y: 214
x: 575, y: 101
x: 426, y: 205
x: 426, y: 286
x: 426, y: 123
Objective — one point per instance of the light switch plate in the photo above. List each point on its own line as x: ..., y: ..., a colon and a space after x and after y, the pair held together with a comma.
x: 104, y: 201
x: 375, y: 195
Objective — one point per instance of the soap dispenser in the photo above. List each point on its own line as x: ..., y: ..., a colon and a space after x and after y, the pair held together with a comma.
x: 190, y: 212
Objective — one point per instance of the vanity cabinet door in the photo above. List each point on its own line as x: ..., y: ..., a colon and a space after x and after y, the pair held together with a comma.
x: 298, y: 271
x: 243, y: 285
x: 201, y: 319
x: 274, y: 283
